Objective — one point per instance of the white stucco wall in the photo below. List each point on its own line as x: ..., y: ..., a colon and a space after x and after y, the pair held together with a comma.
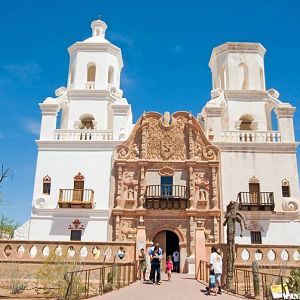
x: 62, y: 166
x: 270, y: 168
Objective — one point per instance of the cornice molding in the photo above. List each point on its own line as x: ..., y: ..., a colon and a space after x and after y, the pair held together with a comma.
x: 77, y: 145
x: 97, y: 47
x: 42, y: 213
x: 257, y: 147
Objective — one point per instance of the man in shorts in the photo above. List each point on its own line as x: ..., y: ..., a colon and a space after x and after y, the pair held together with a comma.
x: 216, y: 265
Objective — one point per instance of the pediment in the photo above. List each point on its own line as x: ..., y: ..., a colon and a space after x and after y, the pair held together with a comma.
x: 167, y: 138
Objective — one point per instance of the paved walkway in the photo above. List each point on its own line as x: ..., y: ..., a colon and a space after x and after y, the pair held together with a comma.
x: 181, y: 287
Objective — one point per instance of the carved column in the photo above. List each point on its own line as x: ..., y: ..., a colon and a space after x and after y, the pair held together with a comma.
x: 214, y: 187
x: 191, y: 185
x: 117, y: 228
x: 191, y: 229
x: 216, y: 229
x: 191, y: 144
x: 144, y: 137
x: 142, y: 187
x: 119, y: 186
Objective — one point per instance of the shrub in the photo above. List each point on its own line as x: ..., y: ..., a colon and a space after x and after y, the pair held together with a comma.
x: 55, y: 281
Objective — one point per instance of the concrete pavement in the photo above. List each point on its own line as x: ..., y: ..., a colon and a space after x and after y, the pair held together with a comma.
x: 182, y: 286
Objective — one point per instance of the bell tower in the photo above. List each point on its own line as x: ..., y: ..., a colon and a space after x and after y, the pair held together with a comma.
x: 238, y: 66
x: 95, y: 63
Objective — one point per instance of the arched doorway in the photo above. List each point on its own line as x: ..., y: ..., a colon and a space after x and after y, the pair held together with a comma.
x: 169, y: 243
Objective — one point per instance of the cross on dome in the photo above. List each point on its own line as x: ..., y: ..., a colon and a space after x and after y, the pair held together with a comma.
x: 98, y: 28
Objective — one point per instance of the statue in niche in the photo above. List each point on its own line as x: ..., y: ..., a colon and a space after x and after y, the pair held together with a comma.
x: 130, y: 186
x: 201, y: 187
x: 231, y: 217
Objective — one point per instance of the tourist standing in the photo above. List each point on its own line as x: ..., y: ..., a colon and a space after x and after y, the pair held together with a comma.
x: 155, y: 265
x: 216, y: 265
x: 176, y: 261
x: 143, y: 264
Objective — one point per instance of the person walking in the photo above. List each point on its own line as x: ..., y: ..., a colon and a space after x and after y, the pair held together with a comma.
x: 169, y: 267
x: 155, y: 265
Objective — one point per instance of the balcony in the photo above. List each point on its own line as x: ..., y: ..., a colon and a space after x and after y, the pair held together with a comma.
x: 167, y: 197
x: 83, y: 135
x: 251, y: 136
x: 256, y: 201
x: 90, y: 85
x: 72, y: 198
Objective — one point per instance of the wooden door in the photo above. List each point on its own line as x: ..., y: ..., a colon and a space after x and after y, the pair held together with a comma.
x: 254, y: 190
x: 161, y: 238
x: 78, y: 191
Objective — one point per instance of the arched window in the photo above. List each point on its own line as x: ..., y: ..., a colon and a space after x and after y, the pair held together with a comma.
x: 244, y: 76
x: 46, y: 185
x: 91, y: 73
x: 285, y: 188
x: 111, y: 75
x: 87, y: 122
x: 246, y: 122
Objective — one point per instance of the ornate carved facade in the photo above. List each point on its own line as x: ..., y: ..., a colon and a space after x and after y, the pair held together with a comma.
x: 159, y: 147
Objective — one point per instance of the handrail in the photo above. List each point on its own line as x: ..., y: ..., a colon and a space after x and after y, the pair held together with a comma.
x: 247, y: 283
x: 256, y: 199
x: 97, y: 281
x: 167, y: 191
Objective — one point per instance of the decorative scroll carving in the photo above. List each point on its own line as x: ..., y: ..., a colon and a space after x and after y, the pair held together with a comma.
x: 119, y: 186
x: 128, y: 229
x: 210, y: 153
x: 166, y: 171
x: 290, y: 204
x: 176, y: 137
x: 198, y: 148
x: 130, y: 186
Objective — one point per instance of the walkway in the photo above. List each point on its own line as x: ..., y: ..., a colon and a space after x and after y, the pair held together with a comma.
x: 181, y: 287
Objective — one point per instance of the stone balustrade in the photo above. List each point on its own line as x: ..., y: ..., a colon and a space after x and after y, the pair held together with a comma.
x: 251, y: 136
x: 267, y: 255
x: 87, y: 252
x: 83, y: 135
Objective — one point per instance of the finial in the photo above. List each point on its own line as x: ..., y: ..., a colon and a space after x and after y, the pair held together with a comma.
x: 98, y: 28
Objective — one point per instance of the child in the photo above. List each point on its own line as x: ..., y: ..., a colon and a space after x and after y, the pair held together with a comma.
x: 169, y: 267
x: 143, y: 263
x: 212, y: 283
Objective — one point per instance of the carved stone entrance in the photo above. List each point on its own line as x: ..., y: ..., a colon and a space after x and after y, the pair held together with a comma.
x: 169, y: 242
x: 165, y: 179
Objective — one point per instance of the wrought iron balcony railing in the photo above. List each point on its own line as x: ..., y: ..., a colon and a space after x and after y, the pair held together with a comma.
x: 167, y: 196
x: 256, y: 201
x: 81, y: 198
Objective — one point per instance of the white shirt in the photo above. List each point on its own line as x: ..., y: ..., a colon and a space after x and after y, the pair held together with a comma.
x: 176, y: 256
x: 216, y: 262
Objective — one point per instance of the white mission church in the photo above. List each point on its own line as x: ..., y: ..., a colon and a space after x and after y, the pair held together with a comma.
x: 99, y: 176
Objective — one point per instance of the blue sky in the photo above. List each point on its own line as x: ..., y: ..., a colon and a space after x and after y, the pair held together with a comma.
x: 166, y: 47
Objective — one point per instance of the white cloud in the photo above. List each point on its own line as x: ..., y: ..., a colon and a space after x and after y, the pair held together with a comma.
x: 31, y: 126
x: 24, y: 72
x: 128, y: 82
x: 177, y: 49
x: 116, y: 37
